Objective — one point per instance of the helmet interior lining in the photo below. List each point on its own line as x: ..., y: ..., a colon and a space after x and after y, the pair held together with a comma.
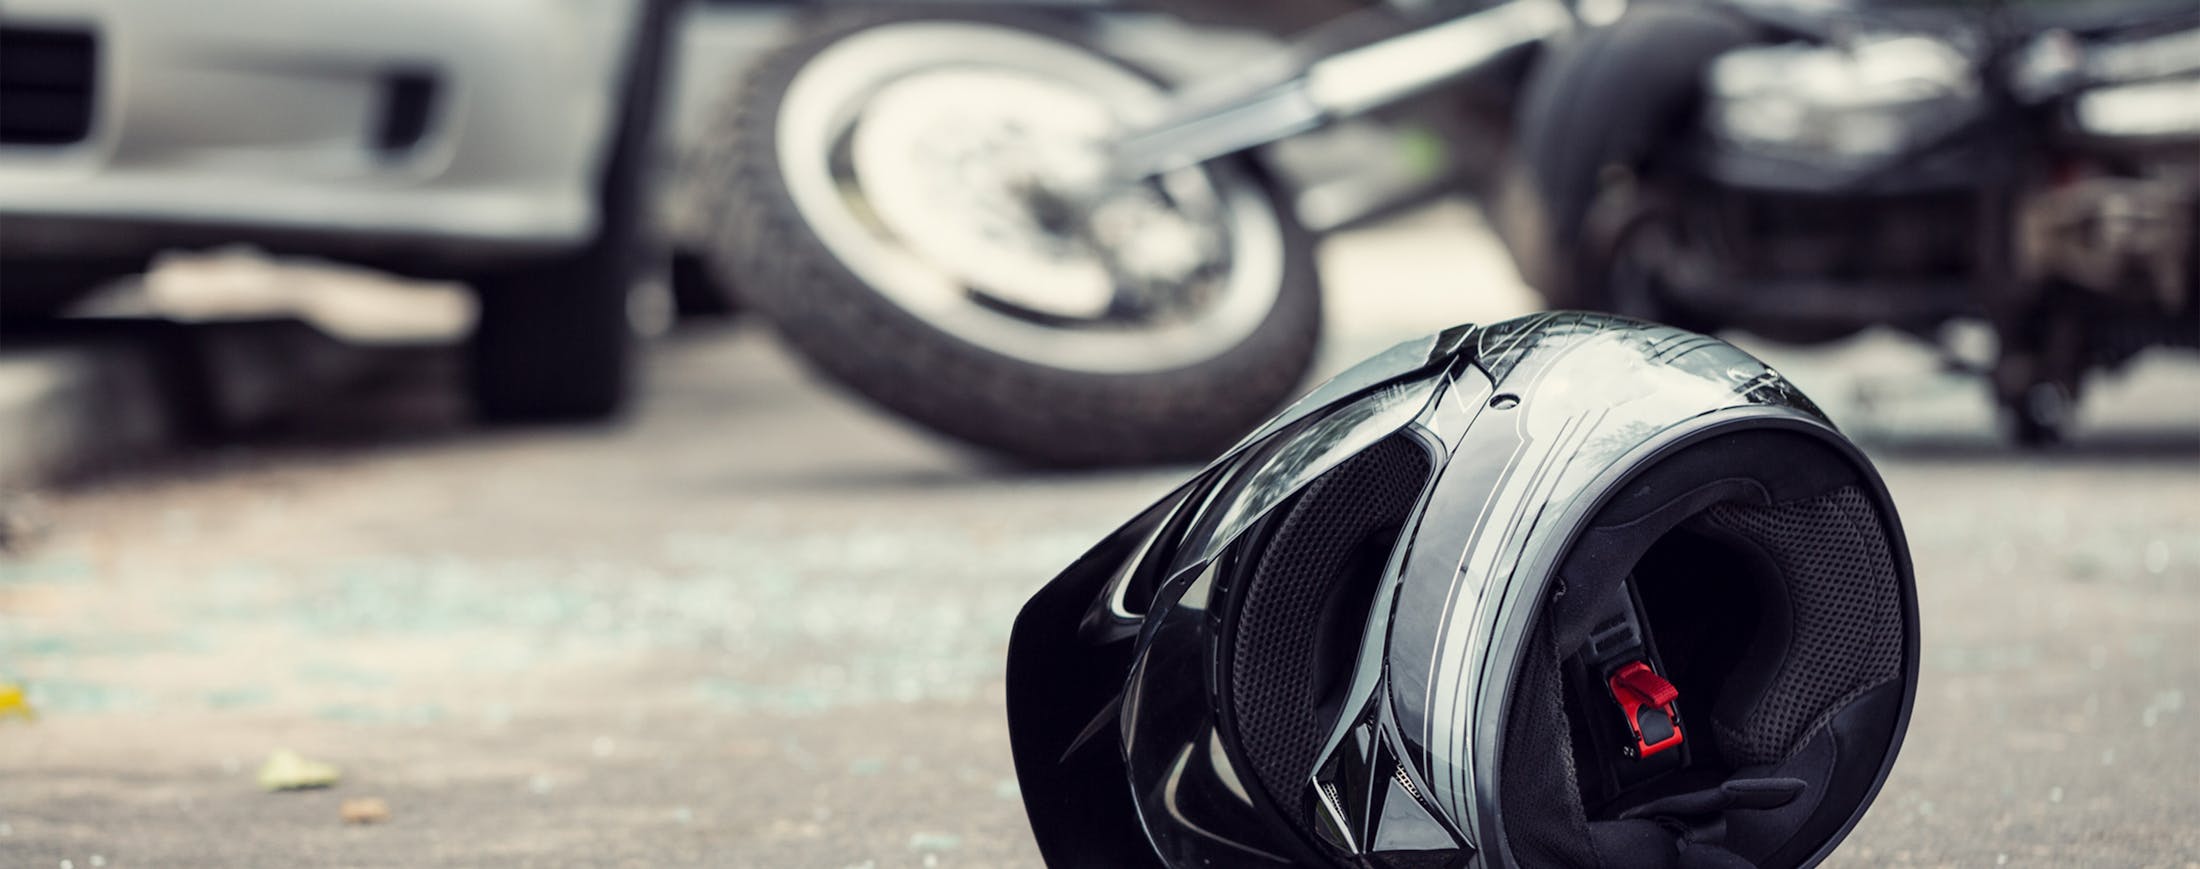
x: 1302, y: 585
x: 1769, y: 585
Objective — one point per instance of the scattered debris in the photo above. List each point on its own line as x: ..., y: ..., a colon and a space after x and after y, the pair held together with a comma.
x: 933, y: 841
x: 239, y: 284
x: 287, y: 770
x: 364, y: 810
x: 13, y: 704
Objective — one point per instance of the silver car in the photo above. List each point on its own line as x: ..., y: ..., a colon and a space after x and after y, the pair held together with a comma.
x: 503, y: 143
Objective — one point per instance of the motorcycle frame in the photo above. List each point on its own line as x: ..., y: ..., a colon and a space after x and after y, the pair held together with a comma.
x: 2050, y: 339
x: 1328, y: 83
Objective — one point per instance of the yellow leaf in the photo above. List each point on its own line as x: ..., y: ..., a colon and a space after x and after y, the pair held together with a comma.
x: 287, y: 770
x: 13, y: 704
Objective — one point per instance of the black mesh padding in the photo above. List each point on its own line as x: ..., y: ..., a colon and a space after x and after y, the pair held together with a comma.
x: 1817, y: 568
x: 1321, y: 546
x: 1846, y: 604
x: 1546, y: 825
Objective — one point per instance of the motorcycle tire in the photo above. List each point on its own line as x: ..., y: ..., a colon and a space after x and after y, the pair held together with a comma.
x: 1033, y: 410
x: 1604, y: 103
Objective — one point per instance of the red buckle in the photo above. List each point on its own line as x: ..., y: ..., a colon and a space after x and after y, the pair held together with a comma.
x: 1647, y: 699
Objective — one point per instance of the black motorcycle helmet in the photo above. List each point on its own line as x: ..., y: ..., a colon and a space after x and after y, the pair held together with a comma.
x: 1569, y: 590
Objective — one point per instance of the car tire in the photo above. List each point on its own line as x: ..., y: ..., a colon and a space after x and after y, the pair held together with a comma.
x: 554, y: 341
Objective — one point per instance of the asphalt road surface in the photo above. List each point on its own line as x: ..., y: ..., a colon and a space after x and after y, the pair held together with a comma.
x: 761, y: 625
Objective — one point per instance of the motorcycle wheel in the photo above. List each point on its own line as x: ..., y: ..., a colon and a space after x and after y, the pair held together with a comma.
x: 886, y: 195
x: 1590, y: 115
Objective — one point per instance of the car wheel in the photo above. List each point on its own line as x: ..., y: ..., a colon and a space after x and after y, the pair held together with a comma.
x: 555, y: 342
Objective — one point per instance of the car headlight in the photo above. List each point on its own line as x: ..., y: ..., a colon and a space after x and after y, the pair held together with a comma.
x: 1871, y: 98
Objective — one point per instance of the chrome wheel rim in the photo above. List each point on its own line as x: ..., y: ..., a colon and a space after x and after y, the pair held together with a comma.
x: 958, y: 168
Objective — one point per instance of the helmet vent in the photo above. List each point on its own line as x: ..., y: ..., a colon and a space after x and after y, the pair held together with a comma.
x: 1406, y: 781
x: 1304, y: 606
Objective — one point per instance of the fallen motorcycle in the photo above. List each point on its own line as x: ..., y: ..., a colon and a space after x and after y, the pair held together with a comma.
x: 1806, y: 171
x: 982, y: 220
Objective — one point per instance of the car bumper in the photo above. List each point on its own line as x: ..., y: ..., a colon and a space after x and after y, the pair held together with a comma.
x: 456, y: 126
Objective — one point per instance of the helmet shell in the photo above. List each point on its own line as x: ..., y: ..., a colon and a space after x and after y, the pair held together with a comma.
x: 1153, y: 660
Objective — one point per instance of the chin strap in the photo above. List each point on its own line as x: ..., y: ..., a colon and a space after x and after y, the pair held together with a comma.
x: 1688, y: 830
x: 1629, y: 711
x: 1748, y: 794
x: 1646, y: 705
